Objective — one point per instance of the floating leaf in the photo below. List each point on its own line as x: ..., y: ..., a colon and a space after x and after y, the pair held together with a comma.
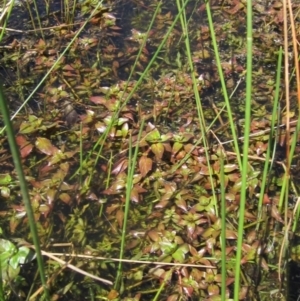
x: 32, y: 125
x: 5, y: 179
x: 158, y: 150
x: 25, y: 146
x: 230, y: 167
x: 145, y: 165
x: 153, y: 136
x: 45, y: 146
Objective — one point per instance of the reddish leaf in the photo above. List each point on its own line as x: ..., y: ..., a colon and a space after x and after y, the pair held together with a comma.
x: 25, y: 146
x: 213, y: 290
x: 145, y: 165
x: 120, y: 166
x: 98, y: 100
x: 134, y: 195
x: 120, y: 217
x: 181, y: 203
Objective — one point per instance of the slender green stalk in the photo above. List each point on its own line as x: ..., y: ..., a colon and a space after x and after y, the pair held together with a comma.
x: 8, y: 12
x: 80, y: 156
x: 38, y: 17
x: 24, y: 190
x: 223, y: 84
x: 1, y: 285
x: 163, y: 284
x: 267, y: 168
x: 223, y: 228
x: 198, y: 101
x: 245, y: 152
x: 129, y: 186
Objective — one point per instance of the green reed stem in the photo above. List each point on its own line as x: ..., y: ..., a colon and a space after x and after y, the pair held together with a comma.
x: 244, y: 169
x: 271, y: 146
x: 223, y: 227
x: 132, y: 160
x: 223, y: 84
x: 201, y: 118
x: 24, y: 189
x: 5, y: 21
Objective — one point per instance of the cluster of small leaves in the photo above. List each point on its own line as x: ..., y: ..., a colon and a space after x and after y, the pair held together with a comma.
x: 175, y: 200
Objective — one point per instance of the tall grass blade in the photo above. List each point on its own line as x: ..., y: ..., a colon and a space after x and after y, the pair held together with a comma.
x: 197, y: 98
x: 245, y: 152
x: 129, y: 185
x: 5, y: 14
x: 24, y: 189
x: 223, y: 227
x: 272, y: 135
x: 223, y: 84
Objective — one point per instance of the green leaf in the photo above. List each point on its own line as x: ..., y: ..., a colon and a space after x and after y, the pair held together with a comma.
x: 45, y: 146
x: 153, y: 136
x: 158, y: 150
x: 5, y: 179
x: 31, y: 126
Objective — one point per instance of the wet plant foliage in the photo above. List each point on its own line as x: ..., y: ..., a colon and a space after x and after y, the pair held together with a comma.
x: 75, y: 133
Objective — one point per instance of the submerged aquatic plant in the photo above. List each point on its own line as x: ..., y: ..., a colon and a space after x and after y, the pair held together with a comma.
x: 139, y: 161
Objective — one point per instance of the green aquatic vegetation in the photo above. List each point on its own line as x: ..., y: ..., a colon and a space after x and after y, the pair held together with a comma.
x: 131, y: 150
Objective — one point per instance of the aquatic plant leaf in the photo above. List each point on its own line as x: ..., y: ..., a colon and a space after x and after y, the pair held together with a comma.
x: 276, y: 214
x: 113, y: 294
x: 179, y: 254
x: 188, y: 289
x: 25, y: 146
x: 88, y: 118
x: 59, y: 156
x: 32, y: 125
x: 45, y: 146
x: 213, y: 289
x: 145, y: 165
x: 181, y: 203
x: 134, y: 195
x: 120, y: 217
x: 155, y: 235
x: 101, y: 127
x: 230, y: 167
x: 98, y: 100
x: 65, y: 197
x: 158, y: 150
x: 153, y: 136
x: 174, y: 297
x: 5, y: 179
x: 5, y: 192
x: 120, y: 166
x: 230, y: 197
x: 177, y: 147
x: 231, y: 234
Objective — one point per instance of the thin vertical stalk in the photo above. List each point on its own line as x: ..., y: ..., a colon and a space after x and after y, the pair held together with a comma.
x: 223, y: 84
x: 272, y: 135
x: 6, y: 11
x: 201, y: 118
x: 129, y: 184
x: 245, y: 152
x: 24, y: 189
x: 223, y: 227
